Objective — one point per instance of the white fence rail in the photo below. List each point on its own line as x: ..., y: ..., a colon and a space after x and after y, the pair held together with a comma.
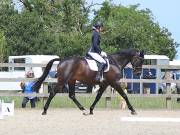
x: 168, y: 68
x: 168, y: 96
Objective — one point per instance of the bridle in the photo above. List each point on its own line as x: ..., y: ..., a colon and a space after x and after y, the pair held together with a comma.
x: 136, y: 67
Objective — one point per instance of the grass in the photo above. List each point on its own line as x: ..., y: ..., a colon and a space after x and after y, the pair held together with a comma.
x: 65, y: 102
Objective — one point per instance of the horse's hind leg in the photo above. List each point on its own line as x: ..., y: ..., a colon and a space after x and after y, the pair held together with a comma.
x: 51, y: 96
x: 73, y: 97
x: 98, y: 96
x: 48, y: 102
x: 118, y: 88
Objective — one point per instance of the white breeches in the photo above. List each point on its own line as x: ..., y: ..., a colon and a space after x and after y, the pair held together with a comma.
x: 97, y: 57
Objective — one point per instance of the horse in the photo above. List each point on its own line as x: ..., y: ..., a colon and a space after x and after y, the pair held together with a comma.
x: 72, y: 69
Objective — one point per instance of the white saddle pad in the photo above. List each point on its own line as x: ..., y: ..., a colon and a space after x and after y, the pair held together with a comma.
x: 93, y: 65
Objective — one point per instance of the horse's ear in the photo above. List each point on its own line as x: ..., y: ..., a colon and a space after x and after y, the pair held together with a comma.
x: 142, y: 54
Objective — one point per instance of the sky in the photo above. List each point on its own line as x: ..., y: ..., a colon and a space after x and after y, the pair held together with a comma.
x: 166, y: 13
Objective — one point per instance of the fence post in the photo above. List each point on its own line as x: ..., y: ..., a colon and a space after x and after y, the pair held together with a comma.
x: 108, y: 97
x: 45, y: 87
x: 168, y: 90
x: 45, y: 90
x: 168, y: 99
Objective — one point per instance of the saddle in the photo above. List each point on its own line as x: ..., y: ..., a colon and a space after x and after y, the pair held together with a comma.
x: 93, y: 64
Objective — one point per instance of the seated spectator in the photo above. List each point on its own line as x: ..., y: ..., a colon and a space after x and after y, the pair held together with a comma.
x: 148, y: 75
x: 53, y: 73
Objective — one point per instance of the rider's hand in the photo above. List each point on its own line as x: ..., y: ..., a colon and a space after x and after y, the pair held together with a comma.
x: 103, y: 54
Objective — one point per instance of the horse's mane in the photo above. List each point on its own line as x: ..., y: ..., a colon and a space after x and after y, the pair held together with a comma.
x: 126, y: 52
x: 122, y: 52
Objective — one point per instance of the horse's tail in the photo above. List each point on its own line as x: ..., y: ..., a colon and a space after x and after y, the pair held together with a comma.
x: 40, y: 80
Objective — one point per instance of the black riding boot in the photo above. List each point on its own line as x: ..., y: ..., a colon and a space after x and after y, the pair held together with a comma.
x: 100, y: 71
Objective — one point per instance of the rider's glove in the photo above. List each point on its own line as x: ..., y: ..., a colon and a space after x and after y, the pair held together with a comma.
x: 103, y: 54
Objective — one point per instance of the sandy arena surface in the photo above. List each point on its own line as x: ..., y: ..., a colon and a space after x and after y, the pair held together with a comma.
x: 72, y: 122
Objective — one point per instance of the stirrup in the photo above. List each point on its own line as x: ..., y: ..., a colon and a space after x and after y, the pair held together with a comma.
x: 100, y: 78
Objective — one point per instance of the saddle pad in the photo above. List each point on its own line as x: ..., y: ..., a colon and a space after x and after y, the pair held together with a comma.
x: 93, y: 65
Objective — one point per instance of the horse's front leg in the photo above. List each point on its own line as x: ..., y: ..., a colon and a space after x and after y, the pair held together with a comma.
x: 118, y: 88
x: 73, y: 97
x: 98, y: 96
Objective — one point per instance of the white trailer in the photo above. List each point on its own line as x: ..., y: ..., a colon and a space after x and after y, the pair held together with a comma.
x: 19, y: 72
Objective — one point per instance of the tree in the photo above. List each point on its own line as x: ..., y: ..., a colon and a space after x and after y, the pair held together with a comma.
x: 128, y: 27
x: 62, y: 27
x: 65, y: 23
x: 2, y: 47
x: 25, y: 32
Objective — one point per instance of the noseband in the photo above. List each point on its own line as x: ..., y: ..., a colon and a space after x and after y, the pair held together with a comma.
x: 134, y: 67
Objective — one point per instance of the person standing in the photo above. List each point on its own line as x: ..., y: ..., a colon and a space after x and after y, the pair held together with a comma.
x: 122, y: 101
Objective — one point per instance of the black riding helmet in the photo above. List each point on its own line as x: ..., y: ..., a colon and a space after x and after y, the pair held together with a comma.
x: 98, y: 24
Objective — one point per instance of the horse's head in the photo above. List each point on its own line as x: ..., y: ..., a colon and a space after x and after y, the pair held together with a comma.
x: 137, y: 62
x: 125, y: 56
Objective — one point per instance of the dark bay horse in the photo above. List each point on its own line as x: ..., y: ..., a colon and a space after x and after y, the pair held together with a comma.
x: 76, y: 68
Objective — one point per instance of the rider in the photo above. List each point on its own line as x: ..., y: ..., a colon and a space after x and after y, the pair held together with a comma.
x: 95, y: 51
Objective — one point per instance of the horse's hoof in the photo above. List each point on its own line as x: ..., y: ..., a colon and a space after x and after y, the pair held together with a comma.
x: 85, y: 112
x: 133, y: 112
x: 91, y: 113
x: 44, y: 113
